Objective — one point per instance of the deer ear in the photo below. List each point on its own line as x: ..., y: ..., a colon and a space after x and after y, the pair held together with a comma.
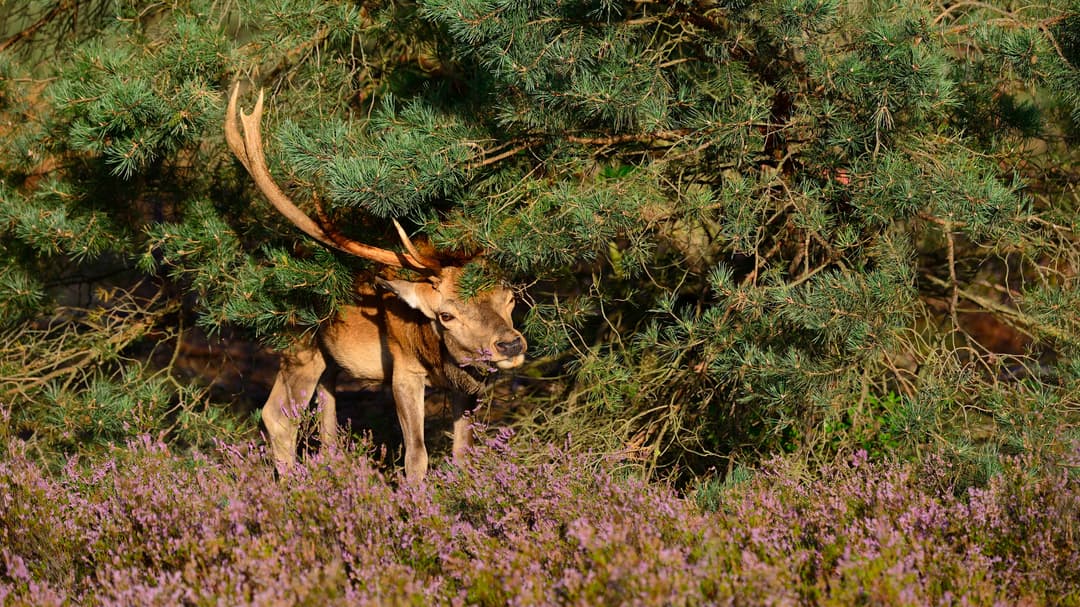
x: 418, y: 295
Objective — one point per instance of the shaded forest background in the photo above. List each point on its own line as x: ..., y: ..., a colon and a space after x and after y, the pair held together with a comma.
x: 738, y: 228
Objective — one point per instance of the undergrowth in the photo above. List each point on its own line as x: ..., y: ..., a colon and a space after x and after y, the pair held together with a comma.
x: 150, y: 526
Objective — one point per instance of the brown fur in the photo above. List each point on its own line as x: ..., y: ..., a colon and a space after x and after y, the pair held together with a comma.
x: 409, y: 335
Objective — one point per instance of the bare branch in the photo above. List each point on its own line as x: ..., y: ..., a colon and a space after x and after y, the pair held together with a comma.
x: 34, y: 27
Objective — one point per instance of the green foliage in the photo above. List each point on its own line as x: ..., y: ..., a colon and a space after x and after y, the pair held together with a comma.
x: 84, y: 382
x: 95, y: 151
x: 266, y: 295
x: 133, y: 118
x: 422, y: 159
x: 742, y: 228
x: 1064, y: 71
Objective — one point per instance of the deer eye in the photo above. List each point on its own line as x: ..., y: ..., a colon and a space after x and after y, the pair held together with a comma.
x: 446, y: 317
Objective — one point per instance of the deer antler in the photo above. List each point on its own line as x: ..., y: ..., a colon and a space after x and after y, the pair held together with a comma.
x: 248, y: 148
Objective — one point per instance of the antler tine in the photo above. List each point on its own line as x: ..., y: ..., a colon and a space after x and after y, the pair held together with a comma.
x: 232, y: 133
x: 248, y: 148
x: 428, y: 262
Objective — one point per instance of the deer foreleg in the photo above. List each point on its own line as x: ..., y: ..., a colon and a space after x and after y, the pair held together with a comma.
x: 462, y: 404
x: 409, y: 400
x: 327, y: 402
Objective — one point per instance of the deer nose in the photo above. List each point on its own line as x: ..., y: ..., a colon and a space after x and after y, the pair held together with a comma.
x: 512, y: 347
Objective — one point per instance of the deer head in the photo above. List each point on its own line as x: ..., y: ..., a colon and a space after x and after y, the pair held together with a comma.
x: 477, y: 331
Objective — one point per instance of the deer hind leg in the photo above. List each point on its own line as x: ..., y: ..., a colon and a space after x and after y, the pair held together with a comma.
x: 293, y: 388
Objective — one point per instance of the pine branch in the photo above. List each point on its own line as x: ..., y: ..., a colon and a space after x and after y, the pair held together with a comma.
x: 62, y: 6
x: 629, y: 137
x: 993, y: 306
x: 293, y: 55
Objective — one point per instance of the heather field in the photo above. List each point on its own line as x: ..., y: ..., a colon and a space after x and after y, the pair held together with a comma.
x: 152, y: 527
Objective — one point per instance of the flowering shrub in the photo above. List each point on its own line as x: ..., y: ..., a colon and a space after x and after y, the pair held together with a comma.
x: 154, y: 528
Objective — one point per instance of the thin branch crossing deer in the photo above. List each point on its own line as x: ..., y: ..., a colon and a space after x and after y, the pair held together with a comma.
x: 408, y: 334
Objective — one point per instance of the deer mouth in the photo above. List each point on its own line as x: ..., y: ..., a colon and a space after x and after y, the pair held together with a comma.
x: 491, y: 361
x: 510, y: 363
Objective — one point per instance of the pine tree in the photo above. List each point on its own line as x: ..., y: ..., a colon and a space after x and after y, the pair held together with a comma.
x: 742, y: 227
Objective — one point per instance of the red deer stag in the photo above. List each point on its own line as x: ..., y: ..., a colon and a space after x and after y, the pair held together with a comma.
x: 409, y: 335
